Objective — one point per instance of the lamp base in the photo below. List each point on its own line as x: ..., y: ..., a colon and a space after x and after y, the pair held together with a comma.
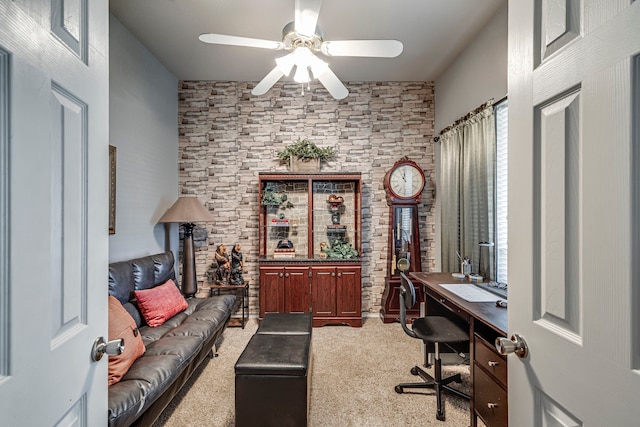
x: 189, y: 284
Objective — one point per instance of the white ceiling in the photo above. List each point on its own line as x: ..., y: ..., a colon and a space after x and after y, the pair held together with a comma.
x: 433, y: 32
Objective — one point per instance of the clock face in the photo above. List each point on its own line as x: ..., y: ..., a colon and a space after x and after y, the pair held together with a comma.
x: 406, y: 181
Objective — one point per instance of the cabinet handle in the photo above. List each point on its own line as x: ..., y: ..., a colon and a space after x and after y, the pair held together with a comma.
x: 492, y: 363
x: 442, y: 300
x: 281, y: 275
x: 339, y: 274
x: 286, y: 274
x: 333, y: 274
x: 492, y: 405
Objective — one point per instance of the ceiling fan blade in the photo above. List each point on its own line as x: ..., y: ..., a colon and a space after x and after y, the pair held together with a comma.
x: 371, y: 48
x: 268, y: 81
x: 333, y: 84
x: 307, y: 12
x: 240, y: 41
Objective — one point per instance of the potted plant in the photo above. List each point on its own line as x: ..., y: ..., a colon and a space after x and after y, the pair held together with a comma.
x: 340, y: 249
x: 271, y: 198
x: 303, y: 155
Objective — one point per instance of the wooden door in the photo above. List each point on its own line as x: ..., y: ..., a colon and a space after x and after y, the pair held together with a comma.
x: 348, y: 291
x: 297, y: 290
x: 574, y: 210
x: 54, y: 94
x: 271, y: 290
x: 323, y: 290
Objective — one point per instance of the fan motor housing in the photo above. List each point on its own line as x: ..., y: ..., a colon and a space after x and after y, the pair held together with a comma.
x: 292, y: 39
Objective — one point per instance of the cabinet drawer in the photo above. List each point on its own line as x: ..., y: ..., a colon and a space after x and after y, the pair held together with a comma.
x: 490, y: 399
x: 488, y: 358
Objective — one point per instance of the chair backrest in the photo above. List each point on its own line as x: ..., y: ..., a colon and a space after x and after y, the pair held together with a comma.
x: 407, y: 291
x: 407, y: 300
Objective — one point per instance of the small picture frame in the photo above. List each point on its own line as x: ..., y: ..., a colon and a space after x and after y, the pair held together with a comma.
x: 112, y: 189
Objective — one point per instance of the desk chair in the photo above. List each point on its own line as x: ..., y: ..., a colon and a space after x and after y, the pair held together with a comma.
x: 434, y: 330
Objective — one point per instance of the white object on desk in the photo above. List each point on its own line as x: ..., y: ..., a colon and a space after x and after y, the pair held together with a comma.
x: 470, y: 292
x: 458, y: 275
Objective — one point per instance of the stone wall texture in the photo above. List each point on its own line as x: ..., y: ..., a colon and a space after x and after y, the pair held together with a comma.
x: 227, y: 136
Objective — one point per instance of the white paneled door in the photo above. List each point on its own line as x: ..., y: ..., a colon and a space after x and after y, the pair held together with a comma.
x: 54, y: 98
x: 574, y: 212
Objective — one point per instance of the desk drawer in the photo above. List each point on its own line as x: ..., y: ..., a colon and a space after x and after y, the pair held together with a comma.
x: 490, y: 399
x: 488, y: 358
x: 451, y: 306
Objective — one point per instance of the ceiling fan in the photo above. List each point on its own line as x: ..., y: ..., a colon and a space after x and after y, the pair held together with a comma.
x: 303, y: 39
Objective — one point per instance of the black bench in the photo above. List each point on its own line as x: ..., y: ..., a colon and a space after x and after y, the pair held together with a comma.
x: 273, y: 373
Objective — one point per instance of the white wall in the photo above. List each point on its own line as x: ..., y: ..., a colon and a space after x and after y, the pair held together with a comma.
x: 478, y: 74
x: 143, y: 127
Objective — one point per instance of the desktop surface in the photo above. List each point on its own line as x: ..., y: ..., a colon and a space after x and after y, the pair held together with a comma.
x: 487, y: 312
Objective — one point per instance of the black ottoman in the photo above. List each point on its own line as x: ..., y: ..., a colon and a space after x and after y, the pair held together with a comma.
x: 286, y: 323
x: 273, y: 381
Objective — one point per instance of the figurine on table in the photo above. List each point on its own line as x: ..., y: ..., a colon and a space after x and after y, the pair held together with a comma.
x: 236, y: 265
x: 224, y: 266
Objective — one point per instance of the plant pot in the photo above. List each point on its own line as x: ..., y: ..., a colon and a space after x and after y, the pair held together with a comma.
x: 307, y: 165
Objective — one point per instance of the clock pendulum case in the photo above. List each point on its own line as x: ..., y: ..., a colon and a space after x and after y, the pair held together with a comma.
x: 403, y: 184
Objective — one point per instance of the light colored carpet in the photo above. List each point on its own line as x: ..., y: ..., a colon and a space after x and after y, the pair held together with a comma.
x: 354, y: 374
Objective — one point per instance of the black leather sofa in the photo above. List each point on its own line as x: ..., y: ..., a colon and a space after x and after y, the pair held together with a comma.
x: 173, y: 350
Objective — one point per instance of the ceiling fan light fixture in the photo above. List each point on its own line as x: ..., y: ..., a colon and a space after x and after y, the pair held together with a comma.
x: 318, y: 66
x: 302, y: 56
x: 285, y: 64
x: 301, y: 75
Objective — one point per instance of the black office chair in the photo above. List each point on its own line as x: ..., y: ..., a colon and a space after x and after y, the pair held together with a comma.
x: 434, y: 330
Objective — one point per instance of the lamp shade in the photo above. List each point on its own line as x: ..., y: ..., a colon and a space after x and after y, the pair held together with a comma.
x: 187, y: 209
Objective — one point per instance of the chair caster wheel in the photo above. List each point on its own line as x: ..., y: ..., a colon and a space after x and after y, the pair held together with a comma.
x: 440, y: 416
x: 398, y: 389
x: 414, y: 371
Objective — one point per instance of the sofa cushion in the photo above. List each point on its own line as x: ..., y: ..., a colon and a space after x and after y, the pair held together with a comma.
x: 161, y: 303
x: 122, y: 325
x: 275, y: 354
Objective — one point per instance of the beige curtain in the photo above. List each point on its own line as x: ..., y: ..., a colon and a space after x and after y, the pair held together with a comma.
x: 467, y: 191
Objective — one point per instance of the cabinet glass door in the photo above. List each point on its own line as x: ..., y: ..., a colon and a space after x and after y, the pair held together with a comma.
x: 335, y: 219
x: 285, y: 205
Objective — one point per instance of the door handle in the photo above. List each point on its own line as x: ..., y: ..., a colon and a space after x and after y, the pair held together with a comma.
x: 112, y: 348
x: 516, y: 345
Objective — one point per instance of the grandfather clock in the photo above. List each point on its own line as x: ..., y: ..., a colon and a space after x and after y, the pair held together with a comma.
x: 403, y: 184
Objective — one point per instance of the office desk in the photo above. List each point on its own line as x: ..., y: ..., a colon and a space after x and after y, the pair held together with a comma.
x: 486, y: 322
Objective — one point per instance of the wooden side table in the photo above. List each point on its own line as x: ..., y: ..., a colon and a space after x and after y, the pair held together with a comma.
x: 214, y: 289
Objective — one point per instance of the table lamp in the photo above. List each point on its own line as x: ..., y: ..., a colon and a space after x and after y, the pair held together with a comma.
x: 187, y: 210
x: 483, y: 245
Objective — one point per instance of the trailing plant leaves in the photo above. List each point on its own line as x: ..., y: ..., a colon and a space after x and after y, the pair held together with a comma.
x: 305, y: 150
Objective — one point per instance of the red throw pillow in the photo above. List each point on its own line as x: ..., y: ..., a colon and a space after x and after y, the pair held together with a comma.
x: 161, y: 303
x: 122, y: 325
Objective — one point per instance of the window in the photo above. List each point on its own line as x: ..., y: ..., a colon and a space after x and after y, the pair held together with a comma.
x: 501, y: 199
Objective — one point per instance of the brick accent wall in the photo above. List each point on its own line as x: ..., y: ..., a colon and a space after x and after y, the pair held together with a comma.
x: 227, y: 136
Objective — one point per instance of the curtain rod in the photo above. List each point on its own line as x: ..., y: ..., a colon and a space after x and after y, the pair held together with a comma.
x: 468, y: 116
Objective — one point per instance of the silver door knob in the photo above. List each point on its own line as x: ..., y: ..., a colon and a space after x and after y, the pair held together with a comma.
x: 112, y: 348
x: 516, y: 345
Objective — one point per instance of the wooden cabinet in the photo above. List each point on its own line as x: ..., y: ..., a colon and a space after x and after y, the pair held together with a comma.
x: 310, y: 244
x: 336, y: 295
x: 331, y: 293
x: 284, y: 290
x: 489, y: 384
